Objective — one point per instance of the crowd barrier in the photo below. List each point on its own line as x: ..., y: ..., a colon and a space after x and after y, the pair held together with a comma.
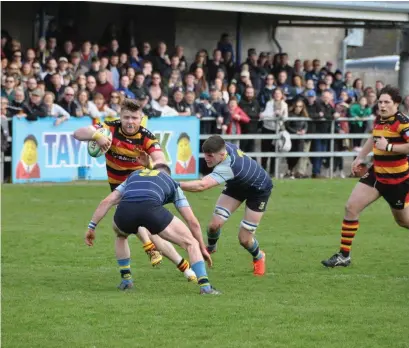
x: 42, y: 152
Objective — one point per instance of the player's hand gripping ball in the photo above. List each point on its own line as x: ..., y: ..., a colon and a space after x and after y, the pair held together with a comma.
x: 94, y: 146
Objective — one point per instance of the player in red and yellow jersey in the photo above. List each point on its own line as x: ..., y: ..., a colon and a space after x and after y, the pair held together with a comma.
x: 131, y: 147
x: 388, y: 177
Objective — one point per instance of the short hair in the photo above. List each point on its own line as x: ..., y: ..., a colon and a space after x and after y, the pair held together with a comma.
x: 183, y: 136
x: 130, y: 105
x: 32, y: 138
x: 393, y: 92
x: 213, y: 144
x: 162, y: 167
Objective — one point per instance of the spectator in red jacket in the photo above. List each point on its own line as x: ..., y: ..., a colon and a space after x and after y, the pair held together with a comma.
x: 238, y: 116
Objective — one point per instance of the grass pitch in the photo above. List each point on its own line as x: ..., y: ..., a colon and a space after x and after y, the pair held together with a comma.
x: 56, y: 292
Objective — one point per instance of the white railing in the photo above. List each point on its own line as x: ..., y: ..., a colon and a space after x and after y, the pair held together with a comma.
x: 276, y: 156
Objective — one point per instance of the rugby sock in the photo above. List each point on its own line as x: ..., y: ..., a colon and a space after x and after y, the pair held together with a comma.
x: 254, y: 250
x: 212, y: 238
x: 349, y: 229
x: 201, y: 274
x: 125, y: 269
x: 183, y: 265
x: 149, y: 246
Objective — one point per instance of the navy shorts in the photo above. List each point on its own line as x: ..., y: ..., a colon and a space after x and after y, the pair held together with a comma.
x: 396, y: 195
x: 256, y: 200
x: 129, y: 216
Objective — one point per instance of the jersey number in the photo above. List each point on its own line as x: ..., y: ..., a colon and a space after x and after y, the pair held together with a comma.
x: 148, y: 172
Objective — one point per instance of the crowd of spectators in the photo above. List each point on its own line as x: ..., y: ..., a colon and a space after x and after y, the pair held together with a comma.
x: 88, y: 79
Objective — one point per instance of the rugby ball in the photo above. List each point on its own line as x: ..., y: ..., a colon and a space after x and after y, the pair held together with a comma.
x: 93, y: 148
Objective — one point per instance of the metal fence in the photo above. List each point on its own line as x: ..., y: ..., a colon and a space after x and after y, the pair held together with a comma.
x: 276, y: 156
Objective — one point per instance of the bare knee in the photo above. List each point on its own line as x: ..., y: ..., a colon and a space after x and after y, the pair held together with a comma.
x: 352, y: 210
x: 189, y: 243
x: 214, y: 226
x: 402, y: 223
x: 245, y: 239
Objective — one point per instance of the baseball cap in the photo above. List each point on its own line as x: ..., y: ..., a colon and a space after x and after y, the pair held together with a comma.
x: 311, y: 93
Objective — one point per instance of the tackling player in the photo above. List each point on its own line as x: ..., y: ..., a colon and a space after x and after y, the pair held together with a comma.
x: 130, y: 143
x: 388, y: 177
x: 141, y: 199
x: 246, y: 181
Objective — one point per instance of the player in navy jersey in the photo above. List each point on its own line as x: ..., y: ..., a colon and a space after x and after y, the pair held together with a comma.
x: 141, y: 199
x: 246, y: 181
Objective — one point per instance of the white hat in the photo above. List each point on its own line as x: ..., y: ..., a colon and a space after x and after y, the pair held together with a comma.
x: 284, y: 143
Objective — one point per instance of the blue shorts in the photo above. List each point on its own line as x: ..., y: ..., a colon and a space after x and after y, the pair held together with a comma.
x: 256, y: 200
x: 129, y: 216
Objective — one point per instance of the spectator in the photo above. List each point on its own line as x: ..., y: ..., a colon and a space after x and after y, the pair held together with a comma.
x: 116, y: 101
x: 138, y: 87
x: 124, y: 87
x: 160, y: 60
x: 298, y: 109
x: 405, y: 106
x: 251, y: 107
x: 162, y: 106
x: 378, y: 87
x: 16, y: 107
x: 276, y: 110
x: 179, y: 52
x: 156, y: 89
x: 108, y: 113
x: 68, y: 103
x: 113, y: 68
x: 221, y: 87
x: 146, y: 51
x: 103, y: 86
x: 55, y: 110
x: 266, y: 94
x: 215, y: 64
x: 238, y: 117
x: 189, y: 84
x: 8, y: 90
x: 283, y: 66
x: 174, y: 66
x: 175, y: 81
x: 35, y: 107
x: 200, y: 81
x: 86, y: 54
x: 200, y: 62
x: 190, y: 99
x: 357, y: 111
x: 56, y: 87
x: 95, y: 67
x: 224, y: 45
x: 177, y: 102
x: 76, y: 68
x: 358, y: 87
x: 134, y: 60
x: 87, y: 107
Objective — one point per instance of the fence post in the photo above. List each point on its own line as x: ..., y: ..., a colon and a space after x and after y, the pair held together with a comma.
x: 331, y: 159
x: 276, y: 158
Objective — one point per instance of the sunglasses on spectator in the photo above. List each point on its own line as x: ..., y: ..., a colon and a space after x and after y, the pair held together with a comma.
x: 114, y: 96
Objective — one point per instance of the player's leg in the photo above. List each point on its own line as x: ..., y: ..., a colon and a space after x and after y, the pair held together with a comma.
x: 178, y: 233
x: 225, y: 206
x: 398, y: 198
x: 169, y: 251
x: 123, y: 257
x: 362, y: 195
x: 256, y: 205
x: 149, y: 247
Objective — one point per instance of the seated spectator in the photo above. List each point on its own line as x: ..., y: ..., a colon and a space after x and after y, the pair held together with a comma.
x: 103, y: 86
x: 138, y: 86
x: 16, y: 106
x: 134, y: 60
x: 162, y: 106
x: 177, y: 102
x: 56, y: 87
x: 123, y: 64
x: 130, y: 72
x: 156, y: 89
x: 55, y: 110
x: 108, y: 113
x: 189, y: 84
x: 147, y: 108
x: 76, y: 68
x: 124, y: 87
x: 175, y: 81
x: 68, y: 102
x: 116, y: 100
x: 95, y: 67
x: 87, y: 107
x: 35, y: 108
x: 174, y: 66
x: 8, y: 90
x: 190, y: 99
x: 222, y: 88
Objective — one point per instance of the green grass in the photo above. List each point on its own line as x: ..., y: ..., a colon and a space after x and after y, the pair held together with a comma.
x: 56, y: 292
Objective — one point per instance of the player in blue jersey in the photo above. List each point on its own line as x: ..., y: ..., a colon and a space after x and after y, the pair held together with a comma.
x: 246, y: 181
x: 141, y: 199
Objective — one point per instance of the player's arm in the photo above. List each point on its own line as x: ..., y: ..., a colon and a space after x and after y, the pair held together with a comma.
x: 203, y: 184
x: 153, y: 150
x: 383, y: 144
x: 106, y: 204
x: 91, y: 133
x: 366, y: 149
x: 221, y: 173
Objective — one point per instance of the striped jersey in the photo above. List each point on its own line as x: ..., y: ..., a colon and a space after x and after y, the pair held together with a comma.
x: 152, y: 186
x: 242, y: 171
x: 122, y: 157
x: 391, y: 167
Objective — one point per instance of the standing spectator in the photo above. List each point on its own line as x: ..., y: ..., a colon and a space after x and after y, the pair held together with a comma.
x: 238, y: 117
x: 357, y: 111
x: 358, y: 87
x: 266, y: 94
x: 76, y: 68
x: 160, y: 60
x: 189, y: 84
x: 251, y: 107
x: 146, y: 51
x: 273, y: 116
x: 95, y: 67
x: 177, y: 102
x: 134, y: 60
x: 200, y: 62
x: 379, y: 86
x: 405, y: 106
x: 56, y: 87
x: 284, y: 66
x: 200, y: 81
x: 215, y: 64
x: 224, y: 45
x: 103, y: 86
x: 298, y: 109
x: 68, y: 47
x: 315, y: 73
x: 86, y: 54
x: 138, y: 87
x: 113, y: 68
x: 35, y: 107
x: 174, y: 66
x: 162, y: 106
